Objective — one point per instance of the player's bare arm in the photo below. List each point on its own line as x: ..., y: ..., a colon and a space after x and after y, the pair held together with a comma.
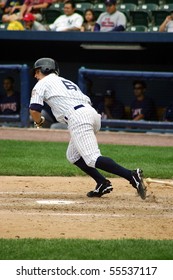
x: 35, y: 115
x: 37, y: 118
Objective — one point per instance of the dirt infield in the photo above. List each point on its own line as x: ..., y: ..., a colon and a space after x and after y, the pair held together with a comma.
x: 57, y: 207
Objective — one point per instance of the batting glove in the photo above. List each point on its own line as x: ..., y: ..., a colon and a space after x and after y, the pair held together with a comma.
x: 40, y: 123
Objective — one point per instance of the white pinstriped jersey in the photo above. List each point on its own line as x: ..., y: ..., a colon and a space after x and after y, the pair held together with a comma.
x: 63, y: 96
x: 59, y: 93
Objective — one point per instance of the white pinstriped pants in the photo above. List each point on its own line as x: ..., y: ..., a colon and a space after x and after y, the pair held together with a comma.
x: 83, y: 124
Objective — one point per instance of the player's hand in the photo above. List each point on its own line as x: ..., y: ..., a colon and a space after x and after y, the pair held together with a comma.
x: 38, y: 125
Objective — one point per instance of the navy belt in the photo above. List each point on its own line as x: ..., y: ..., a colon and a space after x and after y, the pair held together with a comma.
x: 76, y: 107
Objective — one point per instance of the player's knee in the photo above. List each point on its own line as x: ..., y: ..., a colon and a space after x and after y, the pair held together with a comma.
x: 71, y: 158
x: 90, y: 162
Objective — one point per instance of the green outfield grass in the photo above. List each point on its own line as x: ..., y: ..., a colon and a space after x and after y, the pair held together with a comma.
x: 26, y: 158
x: 82, y: 249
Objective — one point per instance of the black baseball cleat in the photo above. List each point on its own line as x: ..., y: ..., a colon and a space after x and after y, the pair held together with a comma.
x: 137, y: 182
x: 101, y: 189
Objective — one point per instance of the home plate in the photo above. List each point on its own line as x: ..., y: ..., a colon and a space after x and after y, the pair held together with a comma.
x: 54, y: 202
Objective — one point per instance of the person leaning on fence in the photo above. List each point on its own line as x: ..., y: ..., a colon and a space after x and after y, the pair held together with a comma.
x: 167, y: 24
x: 111, y: 20
x: 10, y: 99
x: 69, y: 21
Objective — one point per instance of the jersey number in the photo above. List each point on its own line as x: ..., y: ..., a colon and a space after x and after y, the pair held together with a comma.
x: 69, y: 85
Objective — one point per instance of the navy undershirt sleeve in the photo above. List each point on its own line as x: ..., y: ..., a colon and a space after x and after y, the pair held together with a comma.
x: 97, y: 27
x: 36, y: 107
x: 119, y: 28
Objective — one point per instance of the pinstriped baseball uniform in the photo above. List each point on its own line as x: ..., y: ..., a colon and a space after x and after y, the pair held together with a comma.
x: 70, y: 105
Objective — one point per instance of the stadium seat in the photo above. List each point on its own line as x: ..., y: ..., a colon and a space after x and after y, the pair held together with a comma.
x: 159, y: 16
x: 149, y: 7
x: 3, y: 26
x: 50, y: 15
x: 126, y: 8
x: 82, y: 7
x: 136, y: 2
x: 58, y: 6
x: 99, y: 8
x: 140, y: 18
x: 153, y: 29
x: 137, y: 28
x: 151, y: 2
x: 167, y: 7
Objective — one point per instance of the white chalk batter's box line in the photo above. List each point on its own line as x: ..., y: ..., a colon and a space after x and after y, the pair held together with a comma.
x: 39, y: 193
x: 95, y: 215
x: 65, y: 202
x: 56, y: 202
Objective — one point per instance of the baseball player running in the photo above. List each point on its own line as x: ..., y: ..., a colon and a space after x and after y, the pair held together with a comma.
x: 69, y: 105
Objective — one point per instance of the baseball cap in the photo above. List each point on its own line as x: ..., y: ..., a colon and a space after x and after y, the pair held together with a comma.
x: 110, y: 2
x: 29, y: 17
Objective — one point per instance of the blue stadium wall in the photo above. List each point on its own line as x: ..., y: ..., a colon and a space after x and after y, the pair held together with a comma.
x: 149, y: 51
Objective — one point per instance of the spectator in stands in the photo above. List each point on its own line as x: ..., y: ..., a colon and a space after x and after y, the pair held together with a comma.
x: 70, y: 21
x: 111, y: 20
x: 9, y: 100
x: 11, y: 7
x: 31, y: 6
x: 142, y: 107
x: 168, y: 115
x: 111, y: 107
x: 167, y: 24
x: 2, y: 4
x: 15, y: 25
x: 89, y: 21
x: 31, y: 24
